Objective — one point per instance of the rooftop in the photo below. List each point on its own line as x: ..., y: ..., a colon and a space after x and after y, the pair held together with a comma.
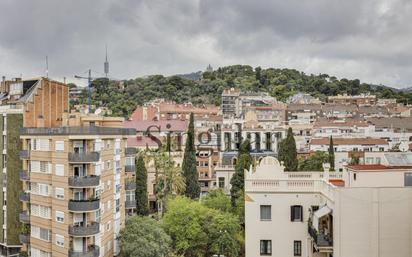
x: 349, y: 141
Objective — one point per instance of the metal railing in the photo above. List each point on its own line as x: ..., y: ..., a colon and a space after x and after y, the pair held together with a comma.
x: 84, y: 205
x: 130, y: 184
x: 131, y: 151
x: 91, y: 130
x: 130, y: 168
x: 84, y: 230
x: 91, y: 251
x: 24, y: 196
x: 320, y: 240
x: 24, y: 175
x: 130, y: 204
x: 24, y: 154
x: 24, y: 238
x: 84, y: 157
x: 86, y: 181
x: 24, y: 217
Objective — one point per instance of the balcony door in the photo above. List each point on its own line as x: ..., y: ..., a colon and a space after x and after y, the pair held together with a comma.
x: 78, y: 219
x: 78, y: 147
x: 78, y: 195
x: 78, y: 244
x: 78, y: 171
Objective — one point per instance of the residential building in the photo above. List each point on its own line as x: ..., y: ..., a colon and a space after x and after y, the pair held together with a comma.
x: 359, y: 100
x: 350, y: 144
x: 323, y: 214
x: 74, y: 187
x: 38, y: 102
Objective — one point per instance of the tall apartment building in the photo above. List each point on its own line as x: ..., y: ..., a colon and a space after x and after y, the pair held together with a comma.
x: 36, y: 102
x: 73, y: 187
x: 364, y: 211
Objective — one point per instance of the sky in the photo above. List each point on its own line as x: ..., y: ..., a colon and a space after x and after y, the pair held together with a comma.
x: 366, y: 39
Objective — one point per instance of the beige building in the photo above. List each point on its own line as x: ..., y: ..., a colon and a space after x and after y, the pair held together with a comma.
x: 73, y: 187
x: 307, y: 214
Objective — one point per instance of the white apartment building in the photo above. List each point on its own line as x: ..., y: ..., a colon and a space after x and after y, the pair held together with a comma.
x: 305, y: 214
x: 350, y: 144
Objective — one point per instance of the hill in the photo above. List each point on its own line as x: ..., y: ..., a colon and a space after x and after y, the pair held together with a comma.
x: 122, y: 98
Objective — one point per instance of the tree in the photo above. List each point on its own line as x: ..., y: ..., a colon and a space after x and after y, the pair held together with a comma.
x: 217, y: 199
x: 331, y: 155
x: 238, y: 179
x: 314, y: 162
x: 169, y: 181
x: 142, y: 206
x: 287, y: 152
x: 144, y: 237
x: 189, y: 163
x: 197, y: 230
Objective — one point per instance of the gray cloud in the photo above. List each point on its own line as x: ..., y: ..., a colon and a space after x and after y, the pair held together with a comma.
x: 366, y: 39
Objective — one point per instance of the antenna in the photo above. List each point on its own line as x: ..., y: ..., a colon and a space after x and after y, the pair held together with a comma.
x: 89, y: 85
x: 106, y: 65
x: 47, y: 67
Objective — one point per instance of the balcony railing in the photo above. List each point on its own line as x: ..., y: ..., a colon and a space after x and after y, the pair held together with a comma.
x: 130, y: 184
x: 24, y: 238
x: 24, y: 217
x: 85, y: 230
x: 86, y: 181
x: 91, y: 251
x: 84, y: 205
x: 24, y: 175
x: 130, y: 168
x: 84, y: 157
x: 130, y: 204
x: 130, y: 151
x: 85, y: 130
x: 24, y: 196
x: 319, y: 239
x: 25, y: 154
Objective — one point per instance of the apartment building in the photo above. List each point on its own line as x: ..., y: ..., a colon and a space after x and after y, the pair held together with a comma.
x: 327, y: 214
x: 350, y: 144
x: 73, y: 187
x: 360, y: 100
x: 38, y: 102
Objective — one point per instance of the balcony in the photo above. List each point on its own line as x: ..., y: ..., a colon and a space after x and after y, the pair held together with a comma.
x: 86, y: 181
x: 84, y: 157
x: 130, y: 168
x: 130, y: 151
x: 320, y: 240
x: 130, y: 185
x: 24, y: 155
x: 84, y: 205
x: 85, y: 230
x: 24, y: 175
x: 91, y: 251
x: 24, y: 238
x: 24, y: 197
x: 24, y: 217
x: 130, y: 204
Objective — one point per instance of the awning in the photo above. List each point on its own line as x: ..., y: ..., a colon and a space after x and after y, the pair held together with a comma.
x: 325, y: 210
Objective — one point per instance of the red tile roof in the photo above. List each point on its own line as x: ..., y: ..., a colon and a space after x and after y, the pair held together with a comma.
x: 337, y: 182
x: 165, y: 125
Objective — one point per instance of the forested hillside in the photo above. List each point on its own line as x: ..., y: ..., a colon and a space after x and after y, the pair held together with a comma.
x: 122, y: 98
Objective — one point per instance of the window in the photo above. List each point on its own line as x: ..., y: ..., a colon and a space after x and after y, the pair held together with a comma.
x: 40, y: 211
x: 40, y: 189
x: 297, y: 248
x: 408, y: 179
x: 60, y: 216
x: 130, y: 161
x: 59, y: 146
x: 40, y: 233
x: 296, y: 213
x: 265, y: 247
x: 108, y: 226
x: 59, y: 169
x: 97, y: 216
x: 39, y: 253
x: 40, y: 166
x: 59, y: 193
x: 40, y: 145
x: 265, y: 212
x: 60, y: 240
x: 221, y: 182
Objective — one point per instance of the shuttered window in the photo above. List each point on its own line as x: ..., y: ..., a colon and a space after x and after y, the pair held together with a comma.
x: 41, y: 233
x: 40, y: 145
x: 59, y: 145
x: 40, y: 166
x: 59, y: 170
x: 40, y: 211
x: 296, y: 213
x: 40, y: 189
x: 265, y: 212
x: 39, y: 253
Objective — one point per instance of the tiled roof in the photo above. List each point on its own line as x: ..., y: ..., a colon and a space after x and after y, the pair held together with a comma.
x: 349, y: 141
x: 165, y: 125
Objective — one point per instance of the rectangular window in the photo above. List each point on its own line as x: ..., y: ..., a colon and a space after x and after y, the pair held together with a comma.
x: 221, y: 182
x: 59, y: 146
x: 130, y: 161
x: 59, y: 193
x: 40, y: 211
x: 265, y: 247
x: 40, y: 233
x: 40, y: 189
x: 265, y: 212
x: 40, y: 145
x: 59, y: 169
x: 60, y: 240
x: 40, y: 166
x: 60, y: 216
x: 297, y: 248
x: 97, y: 216
x: 408, y: 179
x: 296, y: 213
x: 39, y: 253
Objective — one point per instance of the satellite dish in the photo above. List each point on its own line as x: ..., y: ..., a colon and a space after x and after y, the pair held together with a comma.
x: 98, y: 111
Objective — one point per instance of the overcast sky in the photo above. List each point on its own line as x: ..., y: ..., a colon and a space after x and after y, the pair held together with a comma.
x: 366, y: 39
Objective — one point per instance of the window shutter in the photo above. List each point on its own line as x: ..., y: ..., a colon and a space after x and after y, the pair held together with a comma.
x: 292, y: 213
x: 301, y: 213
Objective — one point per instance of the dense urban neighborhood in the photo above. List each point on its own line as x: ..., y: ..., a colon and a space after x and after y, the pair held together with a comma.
x: 250, y: 175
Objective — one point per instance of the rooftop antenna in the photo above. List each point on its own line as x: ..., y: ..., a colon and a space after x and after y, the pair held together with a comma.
x: 106, y: 65
x: 89, y: 85
x: 47, y: 67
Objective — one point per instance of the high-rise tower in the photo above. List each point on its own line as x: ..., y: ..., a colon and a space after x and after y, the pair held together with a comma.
x: 106, y: 65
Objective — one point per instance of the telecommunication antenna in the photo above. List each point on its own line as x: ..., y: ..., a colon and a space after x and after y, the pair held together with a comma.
x: 89, y: 86
x: 47, y: 67
x: 106, y: 65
